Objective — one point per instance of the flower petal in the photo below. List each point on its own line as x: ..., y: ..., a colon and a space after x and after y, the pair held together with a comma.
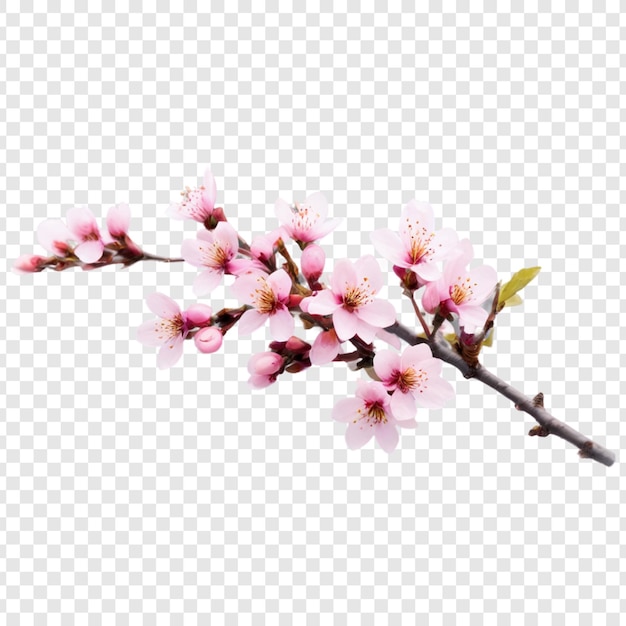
x: 323, y: 303
x: 378, y: 313
x: 427, y: 271
x: 280, y: 282
x: 483, y: 280
x: 365, y: 331
x: 162, y: 305
x: 343, y: 276
x: 118, y: 220
x: 325, y: 348
x: 357, y: 435
x: 284, y: 214
x: 49, y: 232
x: 472, y: 316
x: 170, y: 352
x: 386, y: 362
x: 250, y: 321
x: 150, y: 333
x: 343, y: 321
x: 82, y: 223
x: 346, y: 410
x: 191, y: 251
x: 367, y: 268
x: 372, y: 391
x: 281, y: 324
x: 317, y: 203
x: 210, y: 189
x: 433, y: 295
x: 387, y: 436
x: 321, y: 229
x: 89, y: 251
x: 227, y: 237
x: 244, y: 287
x: 392, y: 340
x: 402, y: 406
x: 206, y: 281
x: 389, y: 246
x: 436, y: 394
x: 413, y: 356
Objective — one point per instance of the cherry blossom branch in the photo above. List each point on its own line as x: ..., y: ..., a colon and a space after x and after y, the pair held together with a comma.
x: 549, y: 423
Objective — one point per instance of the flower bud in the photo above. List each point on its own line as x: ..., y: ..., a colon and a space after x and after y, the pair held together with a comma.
x: 313, y: 260
x: 295, y: 344
x: 28, y: 264
x: 198, y: 314
x: 265, y: 363
x: 208, y: 339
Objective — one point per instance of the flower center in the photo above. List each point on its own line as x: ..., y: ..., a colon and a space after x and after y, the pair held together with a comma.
x: 192, y: 203
x: 216, y: 256
x: 408, y: 379
x: 263, y: 297
x: 170, y: 327
x: 372, y: 413
x: 303, y: 217
x: 462, y: 291
x: 355, y: 296
x: 420, y: 240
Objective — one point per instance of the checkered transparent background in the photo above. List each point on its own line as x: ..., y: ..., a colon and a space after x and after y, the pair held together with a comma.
x: 129, y: 495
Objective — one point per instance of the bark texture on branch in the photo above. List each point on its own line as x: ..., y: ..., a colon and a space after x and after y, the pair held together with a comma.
x: 548, y: 424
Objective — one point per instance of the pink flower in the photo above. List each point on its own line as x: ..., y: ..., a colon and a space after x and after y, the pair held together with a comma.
x: 82, y: 224
x: 351, y: 301
x: 168, y: 332
x: 197, y: 204
x: 418, y: 247
x: 53, y: 235
x: 461, y: 291
x: 413, y: 377
x: 264, y: 368
x: 118, y: 221
x: 306, y: 221
x: 368, y: 415
x: 29, y: 264
x: 216, y: 251
x: 269, y: 295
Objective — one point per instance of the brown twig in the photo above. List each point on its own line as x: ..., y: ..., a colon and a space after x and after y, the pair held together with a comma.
x: 534, y: 407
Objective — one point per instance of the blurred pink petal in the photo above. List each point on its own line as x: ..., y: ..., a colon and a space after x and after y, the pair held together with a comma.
x: 89, y: 251
x: 118, y: 220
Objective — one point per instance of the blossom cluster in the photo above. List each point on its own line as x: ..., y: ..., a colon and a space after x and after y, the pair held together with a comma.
x: 344, y: 309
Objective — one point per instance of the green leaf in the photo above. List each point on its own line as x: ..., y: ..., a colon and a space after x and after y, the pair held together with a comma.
x: 489, y: 339
x: 518, y: 281
x: 514, y: 300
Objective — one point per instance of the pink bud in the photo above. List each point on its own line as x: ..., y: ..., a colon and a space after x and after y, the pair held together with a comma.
x: 198, y: 314
x: 28, y: 264
x: 313, y: 259
x: 265, y: 363
x: 208, y: 339
x: 259, y: 381
x: 295, y: 344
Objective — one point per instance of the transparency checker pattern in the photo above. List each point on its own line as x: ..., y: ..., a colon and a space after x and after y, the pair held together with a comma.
x: 129, y: 495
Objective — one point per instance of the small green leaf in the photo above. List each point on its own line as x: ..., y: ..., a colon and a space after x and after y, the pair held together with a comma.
x: 489, y: 339
x: 514, y: 300
x: 450, y: 338
x: 518, y: 281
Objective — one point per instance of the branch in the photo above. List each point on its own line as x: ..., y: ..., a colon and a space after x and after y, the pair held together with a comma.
x: 548, y: 424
